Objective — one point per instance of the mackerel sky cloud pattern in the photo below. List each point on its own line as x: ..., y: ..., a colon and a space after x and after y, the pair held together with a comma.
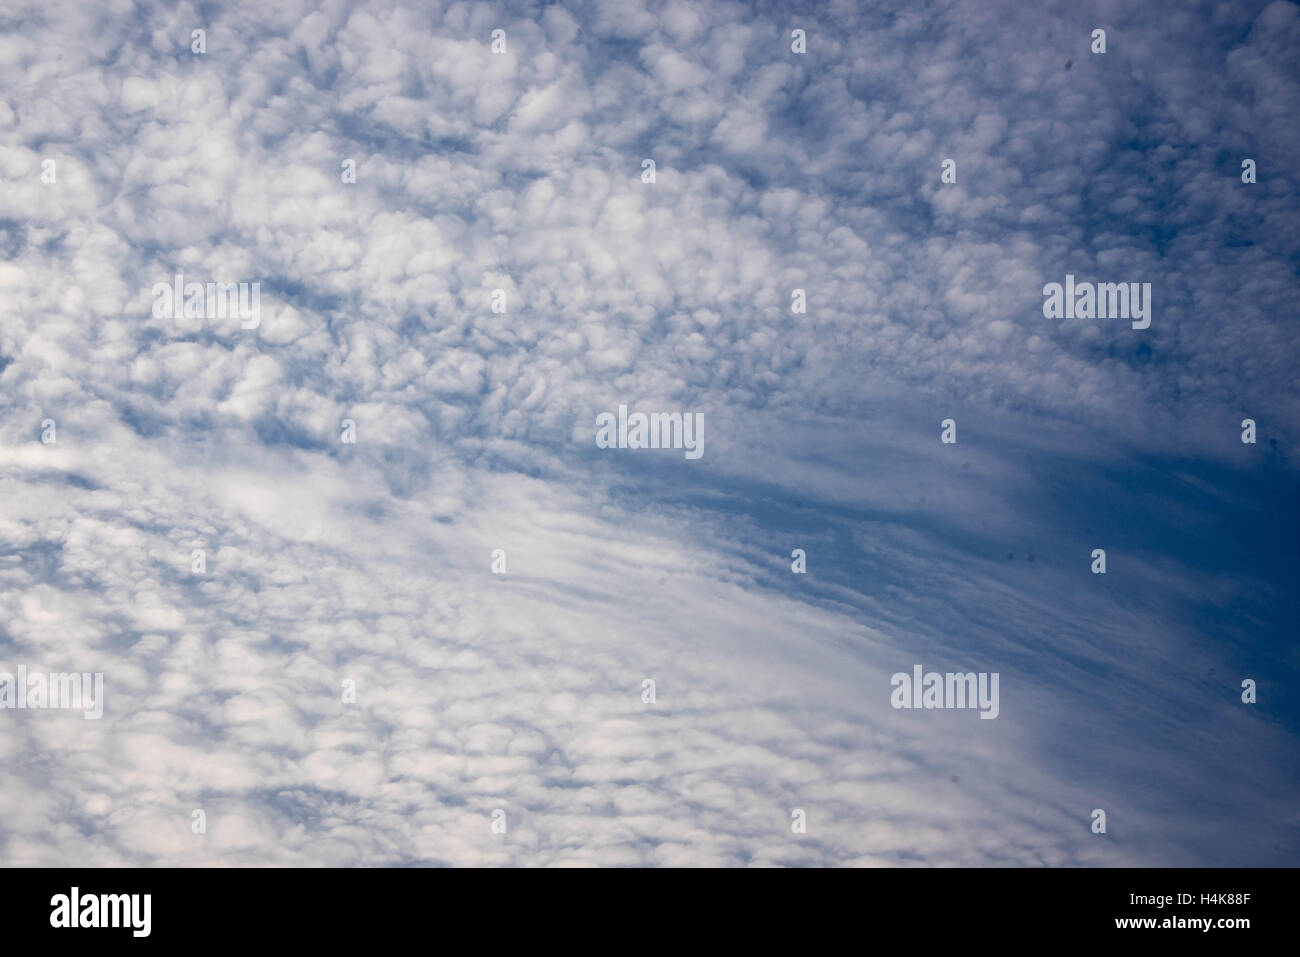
x: 496, y: 275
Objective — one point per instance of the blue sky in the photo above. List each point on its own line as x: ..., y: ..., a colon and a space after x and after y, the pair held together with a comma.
x: 522, y: 172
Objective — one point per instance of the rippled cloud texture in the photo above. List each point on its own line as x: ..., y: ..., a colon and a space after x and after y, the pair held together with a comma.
x: 371, y: 562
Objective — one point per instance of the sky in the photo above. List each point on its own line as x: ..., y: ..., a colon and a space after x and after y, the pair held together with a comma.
x: 428, y: 601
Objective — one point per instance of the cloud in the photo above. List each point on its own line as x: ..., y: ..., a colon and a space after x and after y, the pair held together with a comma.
x: 329, y: 561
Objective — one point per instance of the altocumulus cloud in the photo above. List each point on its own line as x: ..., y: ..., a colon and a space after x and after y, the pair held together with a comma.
x: 388, y: 179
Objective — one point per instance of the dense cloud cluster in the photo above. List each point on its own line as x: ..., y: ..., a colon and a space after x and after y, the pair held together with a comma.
x: 522, y: 172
